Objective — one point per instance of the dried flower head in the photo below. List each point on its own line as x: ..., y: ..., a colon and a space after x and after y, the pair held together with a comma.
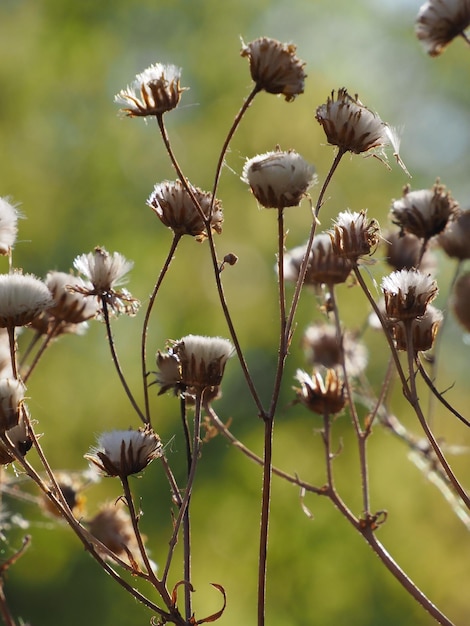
x: 18, y: 437
x: 403, y: 251
x: 176, y: 209
x: 354, y: 235
x: 22, y: 298
x: 455, y: 238
x: 322, y: 396
x: 353, y: 127
x: 461, y: 300
x: 71, y: 489
x: 153, y: 92
x: 278, y: 179
x: 8, y: 225
x: 275, y: 67
x: 408, y: 293
x: 439, y: 21
x: 11, y: 400
x: 6, y: 370
x: 425, y: 212
x: 423, y: 331
x: 112, y: 526
x: 125, y: 452
x: 70, y: 306
x: 105, y: 272
x: 323, y: 347
x: 325, y: 266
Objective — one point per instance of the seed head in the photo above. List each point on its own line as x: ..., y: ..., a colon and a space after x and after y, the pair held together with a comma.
x: 125, y: 452
x: 19, y: 437
x: 455, y: 238
x: 11, y: 400
x: 175, y: 208
x: 423, y: 331
x: 70, y: 306
x: 461, y: 301
x: 112, y: 526
x: 425, y: 212
x: 353, y: 235
x: 275, y: 67
x: 22, y: 298
x: 323, y: 347
x: 154, y: 92
x: 439, y: 21
x: 322, y: 396
x: 325, y: 266
x: 403, y: 251
x: 8, y: 225
x: 408, y: 293
x: 278, y: 179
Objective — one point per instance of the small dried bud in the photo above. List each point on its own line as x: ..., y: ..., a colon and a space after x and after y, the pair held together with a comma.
x: 275, y: 67
x: 176, y: 209
x: 22, y: 298
x: 70, y: 306
x: 408, y: 293
x: 230, y: 259
x: 322, y: 347
x: 125, y: 452
x: 353, y: 127
x: 423, y: 331
x: 424, y: 213
x: 325, y: 397
x: 455, y: 239
x: 8, y: 225
x: 154, y: 92
x: 461, y: 301
x: 439, y: 21
x: 325, y: 266
x: 112, y: 526
x: 353, y: 235
x: 278, y: 179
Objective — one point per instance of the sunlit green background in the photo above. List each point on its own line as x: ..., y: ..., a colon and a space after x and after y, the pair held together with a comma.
x: 82, y: 175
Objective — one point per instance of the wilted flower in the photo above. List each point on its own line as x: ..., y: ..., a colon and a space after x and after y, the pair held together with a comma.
x: 275, y: 67
x: 408, y: 293
x: 461, y: 300
x: 423, y: 331
x: 322, y: 396
x: 11, y: 400
x: 353, y: 235
x: 176, y: 209
x: 125, y: 452
x: 8, y: 225
x: 325, y: 266
x: 153, y: 92
x: 106, y: 272
x: 22, y: 298
x: 112, y: 526
x: 353, y: 127
x: 425, y: 212
x: 278, y: 179
x: 70, y: 306
x: 323, y: 347
x: 455, y: 239
x: 439, y: 21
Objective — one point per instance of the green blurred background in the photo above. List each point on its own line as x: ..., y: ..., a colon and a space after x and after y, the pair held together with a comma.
x: 82, y: 175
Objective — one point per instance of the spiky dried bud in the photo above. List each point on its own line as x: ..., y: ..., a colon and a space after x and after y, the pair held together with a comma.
x: 11, y: 400
x: 177, y: 210
x: 112, y: 526
x: 70, y: 306
x: 439, y: 22
x: 423, y: 331
x: 408, y: 293
x: 425, y: 212
x: 325, y: 266
x: 154, y: 92
x: 455, y: 239
x: 354, y: 235
x: 322, y: 396
x: 8, y: 225
x: 461, y: 300
x: 323, y: 347
x: 125, y: 452
x: 278, y: 179
x: 22, y: 298
x: 354, y: 128
x: 275, y: 67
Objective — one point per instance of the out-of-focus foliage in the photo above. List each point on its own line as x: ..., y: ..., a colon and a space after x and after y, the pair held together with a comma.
x: 82, y: 175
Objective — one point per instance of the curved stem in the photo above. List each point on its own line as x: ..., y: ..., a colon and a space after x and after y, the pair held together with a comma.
x: 143, y: 355
x: 116, y: 360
